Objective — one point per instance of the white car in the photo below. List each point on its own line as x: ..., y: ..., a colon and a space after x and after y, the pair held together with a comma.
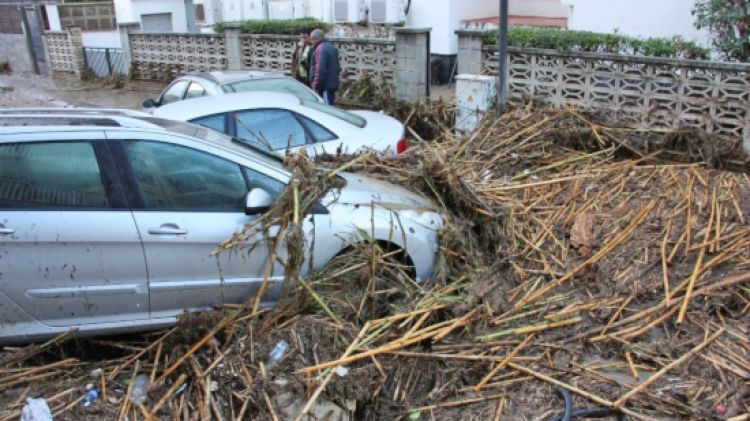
x: 281, y: 122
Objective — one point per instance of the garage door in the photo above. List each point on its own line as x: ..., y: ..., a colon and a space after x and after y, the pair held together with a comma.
x: 158, y: 22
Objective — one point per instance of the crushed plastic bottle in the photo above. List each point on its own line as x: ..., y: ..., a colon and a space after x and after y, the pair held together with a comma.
x: 139, y: 394
x: 91, y: 396
x: 277, y: 353
x: 36, y: 410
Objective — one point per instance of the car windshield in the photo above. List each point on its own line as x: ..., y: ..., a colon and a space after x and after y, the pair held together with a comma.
x: 284, y: 85
x: 350, y: 118
x: 207, y: 134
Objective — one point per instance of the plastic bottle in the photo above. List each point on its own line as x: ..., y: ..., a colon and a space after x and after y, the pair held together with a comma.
x: 277, y: 353
x: 138, y: 395
x: 91, y: 396
x: 36, y: 410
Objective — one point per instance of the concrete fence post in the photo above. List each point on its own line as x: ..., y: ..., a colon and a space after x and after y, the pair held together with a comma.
x: 470, y: 51
x: 233, y: 45
x: 75, y: 40
x: 127, y: 51
x: 413, y: 63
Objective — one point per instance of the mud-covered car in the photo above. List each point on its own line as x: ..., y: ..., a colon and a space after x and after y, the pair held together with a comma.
x: 108, y: 221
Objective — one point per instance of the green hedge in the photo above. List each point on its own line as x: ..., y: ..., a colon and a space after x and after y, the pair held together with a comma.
x: 277, y: 26
x: 572, y: 41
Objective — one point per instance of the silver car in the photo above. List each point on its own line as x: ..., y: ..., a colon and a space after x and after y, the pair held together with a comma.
x: 226, y: 82
x: 108, y: 220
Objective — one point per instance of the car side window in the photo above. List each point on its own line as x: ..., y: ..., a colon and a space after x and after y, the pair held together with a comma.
x: 257, y: 179
x: 195, y: 90
x: 174, y: 93
x: 319, y: 133
x: 217, y: 122
x: 172, y: 177
x: 272, y: 129
x: 50, y: 175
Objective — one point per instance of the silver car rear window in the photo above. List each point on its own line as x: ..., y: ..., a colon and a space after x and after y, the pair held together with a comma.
x: 273, y: 85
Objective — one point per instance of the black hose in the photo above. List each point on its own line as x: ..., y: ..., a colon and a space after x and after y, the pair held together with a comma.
x: 565, y: 395
x: 569, y: 414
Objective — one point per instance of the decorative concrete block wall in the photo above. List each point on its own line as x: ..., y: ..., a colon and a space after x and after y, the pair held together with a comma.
x: 163, y: 56
x: 639, y: 92
x: 65, y: 50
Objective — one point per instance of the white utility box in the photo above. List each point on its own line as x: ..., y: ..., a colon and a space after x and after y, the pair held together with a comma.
x: 386, y: 11
x: 475, y: 95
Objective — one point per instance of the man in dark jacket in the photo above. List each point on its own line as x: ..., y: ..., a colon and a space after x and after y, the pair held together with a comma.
x: 324, y: 67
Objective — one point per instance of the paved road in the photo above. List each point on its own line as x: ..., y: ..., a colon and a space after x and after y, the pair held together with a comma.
x: 30, y: 90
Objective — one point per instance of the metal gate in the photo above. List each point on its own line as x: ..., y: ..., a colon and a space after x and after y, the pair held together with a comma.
x: 104, y: 61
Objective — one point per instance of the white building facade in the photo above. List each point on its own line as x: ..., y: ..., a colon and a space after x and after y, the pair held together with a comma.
x: 637, y: 18
x: 158, y: 16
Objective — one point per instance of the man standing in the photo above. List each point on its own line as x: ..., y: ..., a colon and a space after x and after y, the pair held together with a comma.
x: 324, y: 67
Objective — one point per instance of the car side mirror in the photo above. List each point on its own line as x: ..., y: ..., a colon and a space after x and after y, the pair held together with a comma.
x: 257, y: 201
x: 149, y: 103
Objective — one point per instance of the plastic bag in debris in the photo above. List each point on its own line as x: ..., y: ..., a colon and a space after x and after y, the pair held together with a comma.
x: 36, y: 410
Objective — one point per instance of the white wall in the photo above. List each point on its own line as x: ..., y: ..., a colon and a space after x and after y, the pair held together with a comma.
x: 131, y: 10
x: 124, y: 11
x: 639, y: 18
x: 243, y: 9
x: 101, y: 39
x: 212, y: 9
x: 53, y: 17
x: 445, y: 16
x: 540, y: 8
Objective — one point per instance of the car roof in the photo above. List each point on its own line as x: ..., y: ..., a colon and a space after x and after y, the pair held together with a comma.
x: 14, y: 119
x: 29, y: 120
x: 231, y: 76
x: 207, y: 105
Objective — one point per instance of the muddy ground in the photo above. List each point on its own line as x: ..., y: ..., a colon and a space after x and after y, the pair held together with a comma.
x: 30, y: 90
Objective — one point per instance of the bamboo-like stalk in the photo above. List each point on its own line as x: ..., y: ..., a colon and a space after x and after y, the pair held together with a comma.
x: 593, y: 259
x: 698, y: 263
x: 624, y: 398
x: 503, y: 363
x: 308, y: 406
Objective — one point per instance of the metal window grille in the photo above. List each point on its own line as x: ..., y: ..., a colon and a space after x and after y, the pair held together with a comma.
x: 105, y: 61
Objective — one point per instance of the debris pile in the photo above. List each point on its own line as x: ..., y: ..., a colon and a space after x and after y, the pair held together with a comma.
x: 607, y: 264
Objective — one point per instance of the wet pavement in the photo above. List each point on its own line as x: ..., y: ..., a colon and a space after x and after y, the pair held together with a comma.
x: 30, y: 90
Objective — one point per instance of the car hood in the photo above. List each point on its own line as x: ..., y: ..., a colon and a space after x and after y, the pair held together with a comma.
x: 363, y: 190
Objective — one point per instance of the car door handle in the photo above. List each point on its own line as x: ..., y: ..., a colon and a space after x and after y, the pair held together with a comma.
x: 7, y: 231
x: 169, y: 229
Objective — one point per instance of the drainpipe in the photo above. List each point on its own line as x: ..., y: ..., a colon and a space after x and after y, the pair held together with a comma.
x: 502, y: 70
x: 29, y: 41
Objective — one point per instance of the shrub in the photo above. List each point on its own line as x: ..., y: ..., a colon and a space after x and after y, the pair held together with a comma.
x: 4, y: 67
x: 277, y: 26
x: 727, y: 21
x: 577, y: 41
